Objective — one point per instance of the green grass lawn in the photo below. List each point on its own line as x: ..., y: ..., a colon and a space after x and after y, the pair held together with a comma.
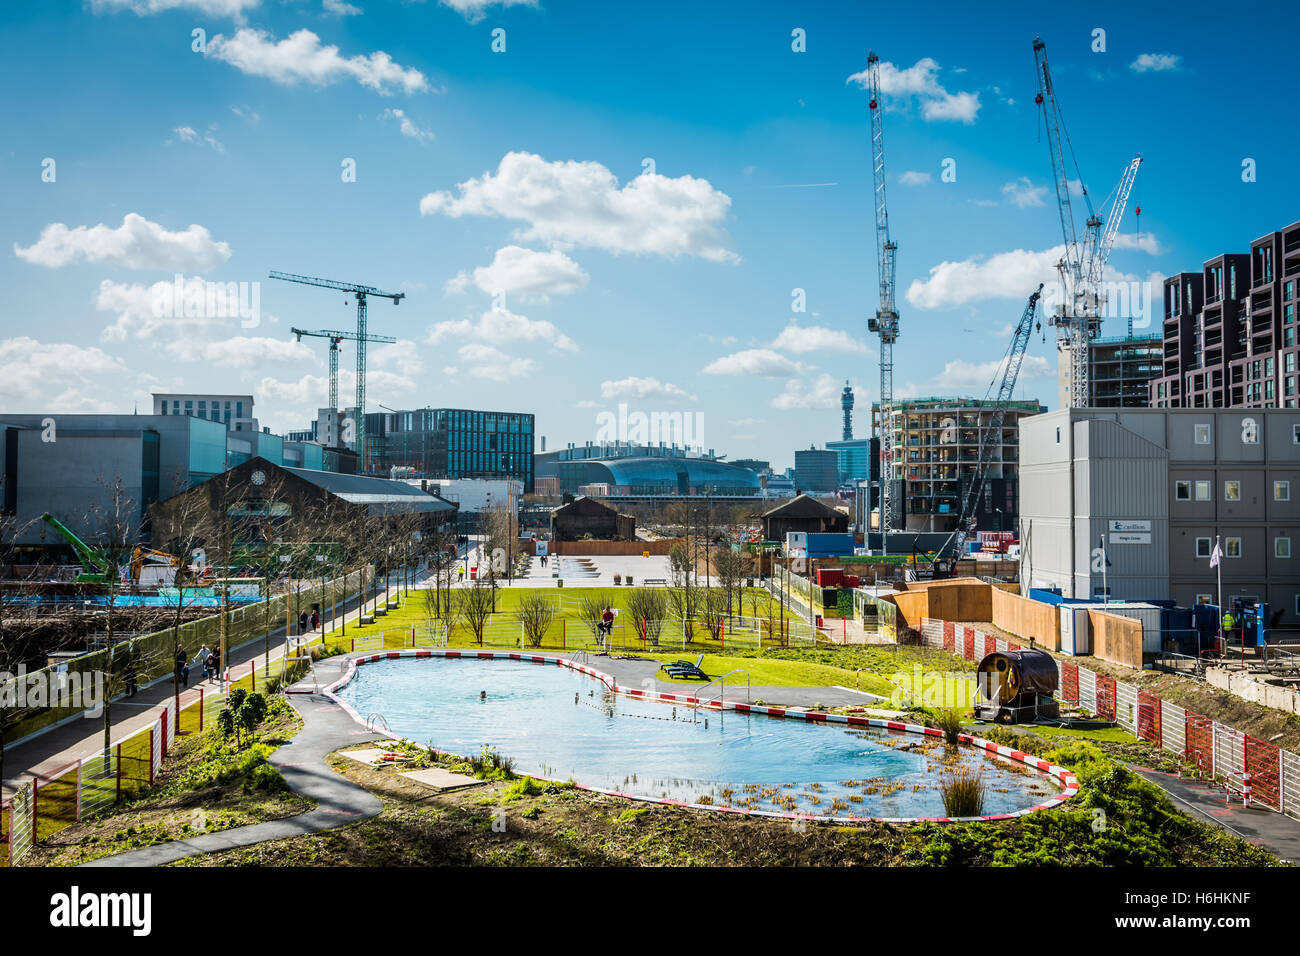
x: 779, y: 673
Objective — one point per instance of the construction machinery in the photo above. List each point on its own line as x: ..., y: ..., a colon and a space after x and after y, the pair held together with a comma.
x: 147, y: 566
x: 885, y: 322
x: 991, y: 438
x: 335, y: 338
x: 361, y: 293
x: 1077, y: 316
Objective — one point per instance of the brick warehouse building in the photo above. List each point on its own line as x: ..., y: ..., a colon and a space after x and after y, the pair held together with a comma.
x: 1230, y: 330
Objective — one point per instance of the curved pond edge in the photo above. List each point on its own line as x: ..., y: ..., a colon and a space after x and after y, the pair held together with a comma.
x: 1064, y: 778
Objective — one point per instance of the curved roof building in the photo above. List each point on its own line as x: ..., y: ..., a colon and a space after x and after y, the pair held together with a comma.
x: 659, y: 476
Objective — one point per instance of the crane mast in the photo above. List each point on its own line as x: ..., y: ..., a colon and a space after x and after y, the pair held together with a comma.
x: 992, y: 435
x: 885, y: 323
x: 360, y: 293
x: 1077, y: 317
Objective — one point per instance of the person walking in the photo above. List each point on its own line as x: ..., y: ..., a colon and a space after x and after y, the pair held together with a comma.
x: 302, y: 622
x: 202, y: 658
x: 315, y: 618
x: 214, y: 664
x: 182, y: 666
x: 128, y: 673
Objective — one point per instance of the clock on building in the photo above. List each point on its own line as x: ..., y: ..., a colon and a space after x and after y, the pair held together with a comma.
x: 258, y: 477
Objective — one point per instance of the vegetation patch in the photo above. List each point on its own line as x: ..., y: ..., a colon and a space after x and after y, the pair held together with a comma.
x: 210, y: 781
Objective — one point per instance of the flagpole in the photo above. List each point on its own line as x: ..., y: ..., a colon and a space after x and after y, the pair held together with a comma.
x: 1218, y: 567
x: 1105, y: 591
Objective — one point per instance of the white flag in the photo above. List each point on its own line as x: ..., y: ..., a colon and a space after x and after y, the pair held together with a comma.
x: 1215, y: 555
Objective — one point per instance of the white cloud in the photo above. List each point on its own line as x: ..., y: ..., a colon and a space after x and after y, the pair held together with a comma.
x: 823, y: 393
x: 187, y: 134
x: 143, y: 8
x: 581, y: 203
x: 136, y: 244
x: 533, y: 276
x: 1155, y: 63
x: 642, y: 389
x: 28, y: 367
x: 815, y: 338
x: 920, y: 81
x: 240, y: 351
x: 484, y: 361
x: 960, y: 376
x: 341, y: 8
x: 402, y: 355
x: 501, y: 327
x: 1145, y: 242
x: 1007, y: 275
x: 408, y: 128
x: 475, y: 10
x: 145, y: 310
x: 301, y: 58
x: 1024, y: 193
x: 914, y: 178
x: 761, y: 362
x: 745, y: 421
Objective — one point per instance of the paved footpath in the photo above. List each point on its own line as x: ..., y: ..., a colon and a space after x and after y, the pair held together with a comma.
x: 62, y: 744
x: 1275, y: 832
x: 326, y: 728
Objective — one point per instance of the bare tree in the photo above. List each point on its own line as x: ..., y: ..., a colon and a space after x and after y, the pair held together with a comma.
x: 475, y: 607
x: 181, y: 530
x: 591, y: 608
x: 730, y: 568
x: 114, y: 527
x: 648, y: 607
x: 535, y: 613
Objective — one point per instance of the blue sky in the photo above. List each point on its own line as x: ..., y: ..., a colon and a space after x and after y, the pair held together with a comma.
x: 548, y: 267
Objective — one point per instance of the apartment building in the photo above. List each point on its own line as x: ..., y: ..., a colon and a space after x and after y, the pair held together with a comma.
x: 1230, y: 330
x: 937, y: 448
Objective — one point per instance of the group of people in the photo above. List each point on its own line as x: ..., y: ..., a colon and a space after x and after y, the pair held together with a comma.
x: 309, y: 621
x: 208, y: 658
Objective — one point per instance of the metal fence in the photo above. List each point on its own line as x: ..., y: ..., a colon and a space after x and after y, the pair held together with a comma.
x: 1221, y: 752
x: 52, y: 801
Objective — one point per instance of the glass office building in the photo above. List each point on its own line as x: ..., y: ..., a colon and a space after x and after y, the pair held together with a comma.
x: 453, y: 443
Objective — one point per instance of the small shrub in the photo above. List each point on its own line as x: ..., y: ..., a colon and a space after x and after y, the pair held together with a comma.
x: 265, y: 777
x: 524, y: 787
x: 949, y: 722
x: 963, y: 793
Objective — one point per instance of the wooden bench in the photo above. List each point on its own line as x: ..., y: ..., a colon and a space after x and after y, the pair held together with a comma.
x: 654, y: 581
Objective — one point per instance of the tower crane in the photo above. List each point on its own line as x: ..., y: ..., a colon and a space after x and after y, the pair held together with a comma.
x: 885, y: 322
x: 1078, y: 316
x: 335, y: 338
x: 360, y: 293
x: 991, y: 438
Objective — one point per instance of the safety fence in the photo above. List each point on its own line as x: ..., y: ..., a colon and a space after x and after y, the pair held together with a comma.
x: 150, y: 656
x: 52, y: 801
x: 1218, y: 751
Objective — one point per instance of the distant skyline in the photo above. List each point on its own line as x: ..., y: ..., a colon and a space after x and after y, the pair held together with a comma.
x: 589, y: 205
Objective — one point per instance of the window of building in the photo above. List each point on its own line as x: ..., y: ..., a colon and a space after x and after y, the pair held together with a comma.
x: 1205, y: 599
x: 1288, y: 290
x: 1232, y: 491
x: 1058, y: 434
x: 1232, y: 547
x: 1202, y: 491
x: 1183, y: 490
x: 1281, y: 547
x: 1295, y: 434
x: 1282, y: 491
x: 1203, y: 433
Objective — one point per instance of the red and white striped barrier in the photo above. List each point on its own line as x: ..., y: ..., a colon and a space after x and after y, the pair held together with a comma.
x: 1063, y: 777
x: 1245, y: 787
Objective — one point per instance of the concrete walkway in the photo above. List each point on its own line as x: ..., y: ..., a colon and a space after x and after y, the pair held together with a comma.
x: 1275, y: 832
x: 326, y: 728
x: 60, y: 745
